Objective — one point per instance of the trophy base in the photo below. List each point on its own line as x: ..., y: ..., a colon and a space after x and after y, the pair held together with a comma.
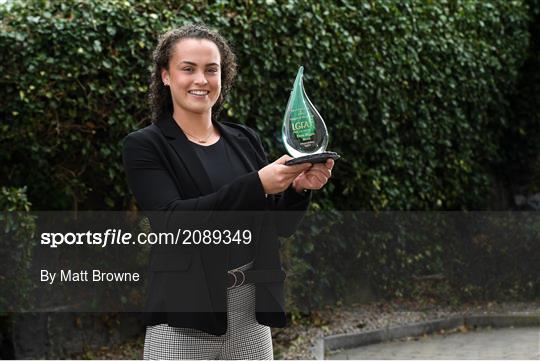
x: 313, y: 158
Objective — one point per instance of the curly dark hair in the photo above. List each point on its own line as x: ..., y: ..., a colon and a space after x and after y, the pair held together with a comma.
x: 160, y: 95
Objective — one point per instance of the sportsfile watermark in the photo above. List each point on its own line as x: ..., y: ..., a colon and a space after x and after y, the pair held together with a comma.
x: 119, y: 237
x: 106, y: 261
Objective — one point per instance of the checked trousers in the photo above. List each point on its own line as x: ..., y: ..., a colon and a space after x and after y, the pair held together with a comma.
x: 245, y: 337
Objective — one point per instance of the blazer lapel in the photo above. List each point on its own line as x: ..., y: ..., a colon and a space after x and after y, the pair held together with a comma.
x: 200, y: 182
x: 240, y: 144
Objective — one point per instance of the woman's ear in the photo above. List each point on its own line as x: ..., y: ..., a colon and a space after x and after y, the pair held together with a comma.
x: 165, y: 76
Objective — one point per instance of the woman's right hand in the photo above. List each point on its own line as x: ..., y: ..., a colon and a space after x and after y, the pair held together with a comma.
x: 277, y: 177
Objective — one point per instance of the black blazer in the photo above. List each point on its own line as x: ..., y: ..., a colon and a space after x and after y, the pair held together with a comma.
x: 187, y: 285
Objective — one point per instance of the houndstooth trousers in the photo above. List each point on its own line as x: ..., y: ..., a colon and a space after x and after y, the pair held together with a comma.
x: 245, y: 337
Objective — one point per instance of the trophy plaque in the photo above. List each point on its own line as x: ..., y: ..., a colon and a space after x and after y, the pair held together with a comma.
x: 304, y: 133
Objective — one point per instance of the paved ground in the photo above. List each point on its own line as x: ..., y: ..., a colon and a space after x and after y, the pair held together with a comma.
x: 505, y: 343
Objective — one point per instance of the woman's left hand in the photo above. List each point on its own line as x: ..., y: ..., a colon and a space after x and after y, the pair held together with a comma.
x: 315, y: 177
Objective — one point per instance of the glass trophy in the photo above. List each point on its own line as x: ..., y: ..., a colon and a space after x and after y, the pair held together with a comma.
x: 304, y: 133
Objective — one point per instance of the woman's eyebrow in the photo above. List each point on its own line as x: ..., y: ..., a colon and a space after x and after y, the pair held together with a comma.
x: 195, y: 64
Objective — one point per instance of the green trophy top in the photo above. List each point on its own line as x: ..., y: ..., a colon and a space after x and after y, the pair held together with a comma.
x: 301, y: 119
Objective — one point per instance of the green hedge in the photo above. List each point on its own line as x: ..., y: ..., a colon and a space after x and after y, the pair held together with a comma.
x: 444, y: 256
x: 416, y: 96
x: 17, y: 229
x: 521, y: 141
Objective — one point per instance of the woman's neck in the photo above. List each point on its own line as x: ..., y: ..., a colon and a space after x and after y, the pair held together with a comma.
x: 198, y: 125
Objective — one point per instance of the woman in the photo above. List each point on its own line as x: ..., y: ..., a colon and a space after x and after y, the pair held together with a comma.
x: 210, y: 302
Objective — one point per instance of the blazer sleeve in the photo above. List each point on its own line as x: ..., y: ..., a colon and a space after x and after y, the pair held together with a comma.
x: 289, y: 206
x: 155, y: 189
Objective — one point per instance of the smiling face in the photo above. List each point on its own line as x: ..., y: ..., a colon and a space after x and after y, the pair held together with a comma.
x: 194, y: 76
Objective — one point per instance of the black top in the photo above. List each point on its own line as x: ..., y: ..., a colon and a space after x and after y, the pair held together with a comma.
x: 223, y: 166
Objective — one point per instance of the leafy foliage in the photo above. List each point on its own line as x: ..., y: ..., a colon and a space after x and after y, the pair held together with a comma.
x: 17, y: 229
x: 414, y: 94
x: 521, y: 140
